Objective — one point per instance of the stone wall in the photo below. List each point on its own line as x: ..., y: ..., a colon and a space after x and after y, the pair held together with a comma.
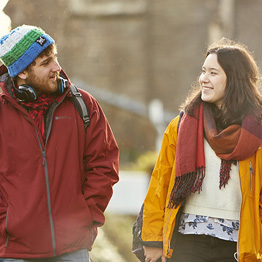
x: 140, y: 49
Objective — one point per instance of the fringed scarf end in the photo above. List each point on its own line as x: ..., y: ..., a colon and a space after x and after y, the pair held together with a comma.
x: 224, y: 174
x: 185, y: 185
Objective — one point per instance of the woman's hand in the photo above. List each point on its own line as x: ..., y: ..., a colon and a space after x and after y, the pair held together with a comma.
x: 152, y: 254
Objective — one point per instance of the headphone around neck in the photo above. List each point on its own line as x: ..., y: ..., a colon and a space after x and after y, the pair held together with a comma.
x: 27, y: 93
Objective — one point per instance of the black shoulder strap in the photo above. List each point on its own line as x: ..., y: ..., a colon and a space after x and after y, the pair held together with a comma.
x: 181, y: 113
x: 80, y: 105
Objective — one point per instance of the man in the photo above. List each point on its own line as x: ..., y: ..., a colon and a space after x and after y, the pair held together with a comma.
x: 56, y: 177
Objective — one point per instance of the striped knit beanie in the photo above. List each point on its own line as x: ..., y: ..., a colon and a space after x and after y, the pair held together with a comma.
x: 21, y: 46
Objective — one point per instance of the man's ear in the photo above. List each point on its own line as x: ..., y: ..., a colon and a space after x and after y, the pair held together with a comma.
x: 23, y: 75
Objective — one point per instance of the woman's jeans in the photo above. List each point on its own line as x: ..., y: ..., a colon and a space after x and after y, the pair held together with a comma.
x: 202, y: 248
x: 77, y: 256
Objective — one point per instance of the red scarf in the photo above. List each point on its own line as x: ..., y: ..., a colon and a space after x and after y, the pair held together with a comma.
x: 37, y: 110
x: 233, y: 143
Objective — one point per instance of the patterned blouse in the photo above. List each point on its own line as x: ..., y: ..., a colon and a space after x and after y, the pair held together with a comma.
x: 217, y: 227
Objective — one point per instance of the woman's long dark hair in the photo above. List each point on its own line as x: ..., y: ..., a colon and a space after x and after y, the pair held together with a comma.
x: 242, y: 94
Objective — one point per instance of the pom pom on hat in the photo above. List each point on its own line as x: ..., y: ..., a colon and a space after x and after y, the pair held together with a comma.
x: 21, y: 47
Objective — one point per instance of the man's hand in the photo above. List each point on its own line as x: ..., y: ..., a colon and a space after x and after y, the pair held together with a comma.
x: 154, y: 254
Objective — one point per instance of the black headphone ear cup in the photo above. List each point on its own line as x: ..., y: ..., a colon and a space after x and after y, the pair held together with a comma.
x: 62, y: 85
x: 25, y: 93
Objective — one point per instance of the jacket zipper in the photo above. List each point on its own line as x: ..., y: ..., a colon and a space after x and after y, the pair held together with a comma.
x: 50, y: 113
x: 48, y: 196
x: 237, y: 255
x: 43, y: 151
x: 44, y: 163
x: 251, y: 175
x: 168, y: 250
x: 6, y: 231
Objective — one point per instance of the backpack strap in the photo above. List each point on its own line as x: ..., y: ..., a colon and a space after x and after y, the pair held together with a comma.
x: 181, y: 113
x: 80, y: 105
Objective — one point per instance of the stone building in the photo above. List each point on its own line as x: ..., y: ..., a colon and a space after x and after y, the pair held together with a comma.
x: 130, y: 52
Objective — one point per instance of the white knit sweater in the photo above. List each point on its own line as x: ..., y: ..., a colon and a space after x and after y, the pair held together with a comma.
x: 212, y: 201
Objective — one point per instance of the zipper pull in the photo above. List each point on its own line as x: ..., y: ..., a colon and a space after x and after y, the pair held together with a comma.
x: 251, y: 168
x: 251, y: 174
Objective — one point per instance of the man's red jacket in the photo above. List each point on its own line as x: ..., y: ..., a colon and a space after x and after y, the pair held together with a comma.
x: 53, y: 193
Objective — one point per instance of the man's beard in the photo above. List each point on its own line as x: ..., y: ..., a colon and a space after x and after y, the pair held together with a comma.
x: 41, y: 86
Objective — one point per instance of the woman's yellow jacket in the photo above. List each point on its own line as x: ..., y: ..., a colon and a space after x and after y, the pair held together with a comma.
x: 159, y: 221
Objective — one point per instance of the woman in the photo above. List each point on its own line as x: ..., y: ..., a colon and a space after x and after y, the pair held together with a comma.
x: 204, y: 201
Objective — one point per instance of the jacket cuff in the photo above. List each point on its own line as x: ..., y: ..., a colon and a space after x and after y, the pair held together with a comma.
x: 153, y: 244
